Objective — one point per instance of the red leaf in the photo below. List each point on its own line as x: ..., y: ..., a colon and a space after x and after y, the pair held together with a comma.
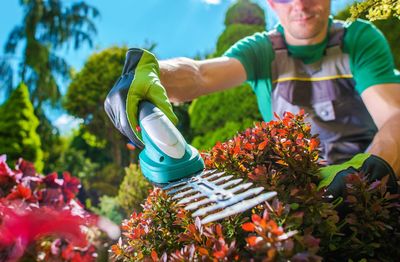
x: 219, y: 254
x: 255, y: 218
x: 203, y: 251
x: 70, y: 186
x: 52, y: 180
x: 26, y: 167
x: 314, y: 143
x: 248, y: 227
x: 263, y: 144
x: 252, y: 240
x: 116, y: 250
x: 154, y: 256
x: 248, y: 146
x: 20, y: 192
x: 218, y: 229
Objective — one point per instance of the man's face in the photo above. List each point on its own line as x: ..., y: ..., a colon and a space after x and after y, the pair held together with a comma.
x: 303, y: 19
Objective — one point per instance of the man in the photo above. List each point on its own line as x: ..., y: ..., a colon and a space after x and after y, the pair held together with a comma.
x: 342, y: 75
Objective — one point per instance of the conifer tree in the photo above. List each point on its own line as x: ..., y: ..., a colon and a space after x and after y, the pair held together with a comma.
x: 18, y: 125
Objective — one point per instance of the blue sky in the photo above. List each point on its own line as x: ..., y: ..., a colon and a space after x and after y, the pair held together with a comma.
x: 179, y: 27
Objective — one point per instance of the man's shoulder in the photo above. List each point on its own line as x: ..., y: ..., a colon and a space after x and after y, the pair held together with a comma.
x: 359, y: 33
x: 359, y: 25
x: 257, y: 40
x: 258, y: 36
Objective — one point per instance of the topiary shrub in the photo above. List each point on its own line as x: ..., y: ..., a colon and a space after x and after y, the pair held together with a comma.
x: 245, y: 12
x: 234, y: 33
x: 227, y: 117
x: 300, y: 224
x: 18, y: 125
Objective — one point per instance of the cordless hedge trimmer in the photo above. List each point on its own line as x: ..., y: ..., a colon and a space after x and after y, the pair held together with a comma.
x: 166, y: 160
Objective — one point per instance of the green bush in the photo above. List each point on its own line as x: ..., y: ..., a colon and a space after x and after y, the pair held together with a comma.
x: 133, y: 190
x: 230, y: 129
x: 18, y: 125
x: 221, y: 115
x: 107, y: 180
x: 212, y: 112
x: 234, y: 33
x: 110, y: 208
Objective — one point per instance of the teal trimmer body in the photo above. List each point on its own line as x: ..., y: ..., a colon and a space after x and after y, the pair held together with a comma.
x: 166, y: 156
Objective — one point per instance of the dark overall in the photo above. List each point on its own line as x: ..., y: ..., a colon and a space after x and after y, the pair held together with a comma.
x: 326, y: 91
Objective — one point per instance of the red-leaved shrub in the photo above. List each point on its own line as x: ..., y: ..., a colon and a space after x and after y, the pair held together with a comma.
x: 40, y: 219
x: 300, y: 224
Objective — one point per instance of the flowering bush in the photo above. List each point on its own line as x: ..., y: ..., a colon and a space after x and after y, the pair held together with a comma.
x: 301, y: 224
x: 40, y: 219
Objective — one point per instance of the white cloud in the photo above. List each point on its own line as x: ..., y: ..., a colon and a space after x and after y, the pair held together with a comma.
x: 65, y: 123
x: 212, y: 2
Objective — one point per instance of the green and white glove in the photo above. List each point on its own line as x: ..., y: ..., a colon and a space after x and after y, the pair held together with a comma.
x: 375, y: 167
x: 139, y: 81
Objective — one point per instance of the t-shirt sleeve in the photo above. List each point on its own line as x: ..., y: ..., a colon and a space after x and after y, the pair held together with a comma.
x: 255, y: 53
x: 371, y: 60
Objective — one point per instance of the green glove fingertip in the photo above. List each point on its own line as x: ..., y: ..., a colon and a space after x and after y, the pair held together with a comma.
x: 328, y: 173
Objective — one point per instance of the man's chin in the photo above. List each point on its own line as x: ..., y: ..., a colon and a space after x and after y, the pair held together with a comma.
x: 304, y: 31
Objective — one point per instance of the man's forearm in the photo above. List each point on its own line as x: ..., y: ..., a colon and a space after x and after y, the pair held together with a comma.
x: 386, y: 143
x: 181, y: 78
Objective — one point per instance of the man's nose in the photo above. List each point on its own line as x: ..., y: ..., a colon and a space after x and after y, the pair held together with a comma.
x: 302, y: 4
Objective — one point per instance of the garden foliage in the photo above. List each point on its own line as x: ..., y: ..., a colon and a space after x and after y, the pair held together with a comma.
x: 221, y: 115
x: 376, y: 9
x: 300, y: 224
x: 40, y: 218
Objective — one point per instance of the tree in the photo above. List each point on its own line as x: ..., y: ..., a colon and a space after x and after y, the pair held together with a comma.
x: 6, y: 77
x: 18, y: 125
x: 47, y: 27
x: 86, y: 94
x: 376, y: 9
x: 219, y: 116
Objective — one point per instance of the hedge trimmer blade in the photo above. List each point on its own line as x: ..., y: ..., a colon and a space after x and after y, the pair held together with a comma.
x: 212, y: 196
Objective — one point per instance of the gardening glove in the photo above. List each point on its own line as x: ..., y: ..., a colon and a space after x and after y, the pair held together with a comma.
x: 139, y: 81
x: 375, y: 167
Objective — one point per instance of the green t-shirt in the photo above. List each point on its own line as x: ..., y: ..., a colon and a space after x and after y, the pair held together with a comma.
x: 371, y: 61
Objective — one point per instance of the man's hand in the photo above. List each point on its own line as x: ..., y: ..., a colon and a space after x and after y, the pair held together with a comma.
x: 139, y: 81
x: 375, y: 167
